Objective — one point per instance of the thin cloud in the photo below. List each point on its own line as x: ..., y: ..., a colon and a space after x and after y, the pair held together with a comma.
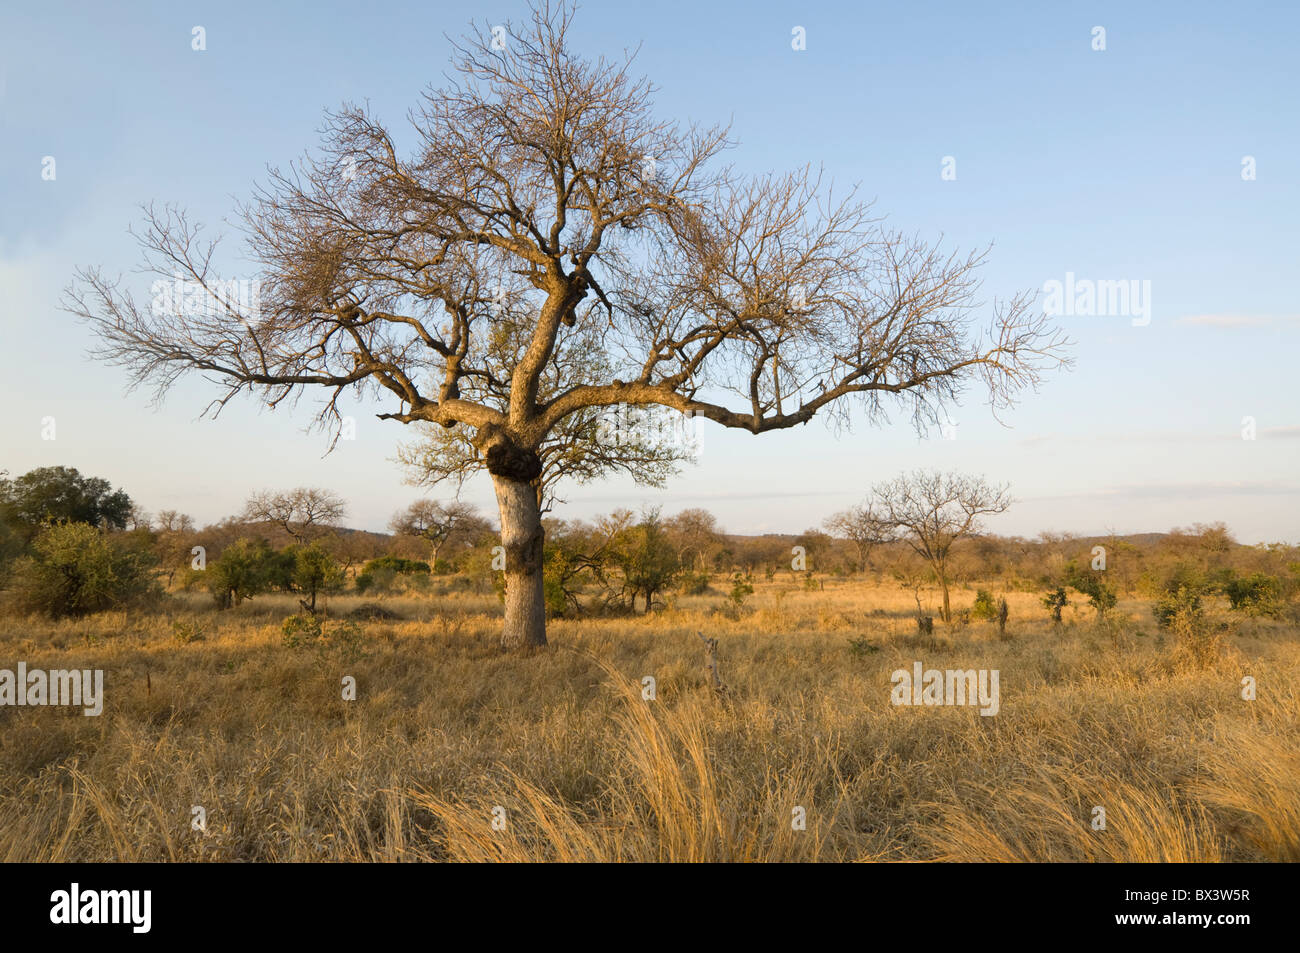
x: 1181, y: 491
x: 1284, y: 433
x: 1236, y: 320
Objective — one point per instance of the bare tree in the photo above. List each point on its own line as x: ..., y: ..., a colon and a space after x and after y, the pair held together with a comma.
x: 305, y: 513
x: 553, y: 252
x: 439, y: 523
x: 174, y: 521
x: 865, y: 527
x: 934, y: 510
x: 696, y: 532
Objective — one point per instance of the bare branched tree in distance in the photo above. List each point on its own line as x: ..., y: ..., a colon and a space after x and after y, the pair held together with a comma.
x: 439, y: 523
x: 304, y: 513
x: 552, y: 250
x: 934, y: 510
x: 865, y: 526
x: 696, y: 531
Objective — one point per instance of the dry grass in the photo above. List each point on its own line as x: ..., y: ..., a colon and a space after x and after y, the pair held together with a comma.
x: 446, y: 729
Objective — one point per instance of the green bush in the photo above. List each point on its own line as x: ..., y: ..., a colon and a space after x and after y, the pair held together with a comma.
x: 1055, y: 601
x: 382, y: 574
x: 340, y: 641
x: 397, y: 564
x: 75, y: 569
x: 985, y: 607
x: 1256, y: 594
x: 740, y: 589
x: 245, y: 569
x: 1101, y: 595
x: 1185, y: 603
x: 696, y: 583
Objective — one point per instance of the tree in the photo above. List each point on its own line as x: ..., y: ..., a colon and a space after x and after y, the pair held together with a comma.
x: 244, y: 569
x: 863, y: 527
x: 696, y: 534
x: 61, y: 495
x: 934, y: 510
x: 552, y: 253
x: 440, y: 524
x: 305, y: 513
x: 173, y: 521
x: 315, y: 571
x: 647, y: 559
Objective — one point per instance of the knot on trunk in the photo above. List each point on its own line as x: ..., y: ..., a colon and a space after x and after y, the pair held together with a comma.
x: 506, y: 460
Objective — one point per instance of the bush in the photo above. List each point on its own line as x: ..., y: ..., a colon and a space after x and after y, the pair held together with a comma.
x: 382, y: 574
x: 398, y: 565
x: 315, y: 571
x: 1197, y: 639
x: 245, y: 568
x: 740, y: 589
x: 342, y: 641
x: 696, y: 583
x: 1185, y: 602
x: 1101, y: 595
x: 75, y: 569
x: 1055, y: 601
x: 985, y: 607
x: 1256, y: 594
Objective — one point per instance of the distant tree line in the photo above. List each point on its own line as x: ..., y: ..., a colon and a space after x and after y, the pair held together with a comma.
x: 72, y: 544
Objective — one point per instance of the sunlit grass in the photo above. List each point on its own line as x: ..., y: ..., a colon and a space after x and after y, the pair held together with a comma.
x: 446, y: 728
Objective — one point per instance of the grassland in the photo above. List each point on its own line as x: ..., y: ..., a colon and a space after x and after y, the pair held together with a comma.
x: 212, y: 710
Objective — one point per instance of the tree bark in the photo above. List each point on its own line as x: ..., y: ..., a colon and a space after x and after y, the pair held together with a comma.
x: 523, y: 539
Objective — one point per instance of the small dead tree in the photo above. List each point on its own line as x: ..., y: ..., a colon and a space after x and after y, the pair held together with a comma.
x: 934, y: 510
x: 711, y: 663
x: 865, y: 527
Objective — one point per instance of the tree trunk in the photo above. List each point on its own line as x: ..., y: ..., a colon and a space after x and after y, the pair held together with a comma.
x: 947, y: 612
x: 523, y: 538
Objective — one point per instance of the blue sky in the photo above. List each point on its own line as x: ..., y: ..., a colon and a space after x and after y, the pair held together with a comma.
x: 1122, y: 164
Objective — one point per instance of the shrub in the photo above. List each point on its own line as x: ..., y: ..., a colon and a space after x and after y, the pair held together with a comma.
x: 186, y: 633
x: 75, y: 569
x: 696, y: 583
x: 1101, y: 595
x: 740, y: 590
x: 1185, y: 601
x: 244, y: 569
x: 861, y: 647
x: 1256, y: 594
x: 341, y: 640
x: 398, y: 565
x: 382, y: 574
x: 984, y: 607
x: 1198, y: 640
x: 1055, y: 601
